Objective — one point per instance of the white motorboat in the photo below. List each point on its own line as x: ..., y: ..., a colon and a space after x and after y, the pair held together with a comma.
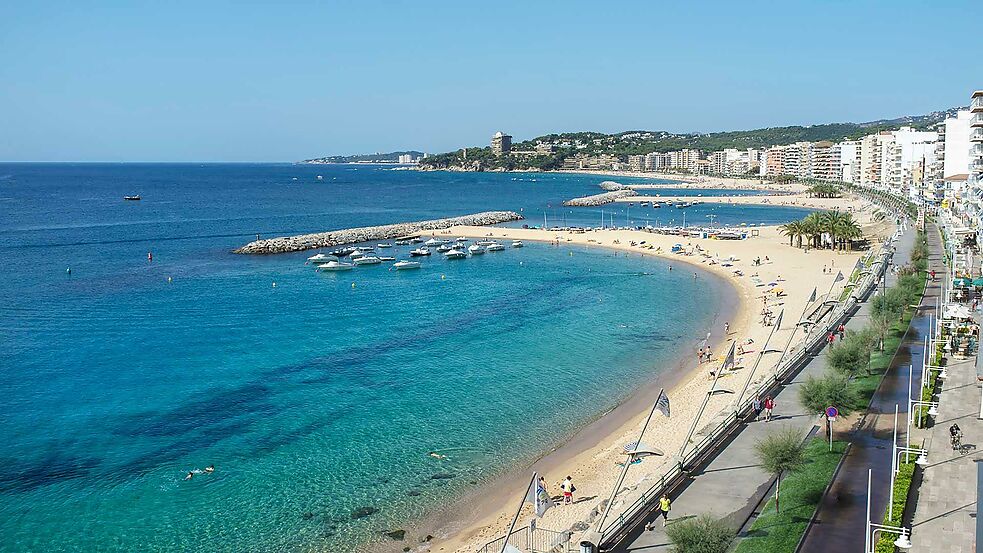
x: 485, y: 242
x: 517, y: 243
x: 496, y: 247
x: 357, y: 255
x: 476, y: 249
x: 335, y: 266
x: 444, y: 248
x: 384, y: 245
x: 420, y: 251
x: 455, y: 254
x: 415, y: 240
x: 367, y: 260
x: 461, y: 239
x: 400, y: 265
x: 321, y: 258
x: 402, y: 242
x: 365, y: 249
x: 386, y: 258
x: 434, y: 242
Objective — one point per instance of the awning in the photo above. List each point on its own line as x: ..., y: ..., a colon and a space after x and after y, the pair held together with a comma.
x: 978, y: 281
x: 961, y: 281
x: 955, y: 311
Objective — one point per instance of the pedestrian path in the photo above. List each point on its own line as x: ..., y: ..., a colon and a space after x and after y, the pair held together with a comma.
x: 944, y: 519
x: 732, y: 484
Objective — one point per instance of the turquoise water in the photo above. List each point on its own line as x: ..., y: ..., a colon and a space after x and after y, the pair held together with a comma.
x: 316, y: 398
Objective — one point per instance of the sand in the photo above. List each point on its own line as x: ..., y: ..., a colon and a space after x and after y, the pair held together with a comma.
x: 591, y: 456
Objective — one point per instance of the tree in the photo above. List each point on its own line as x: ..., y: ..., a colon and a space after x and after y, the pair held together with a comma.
x: 779, y: 453
x: 703, y: 534
x: 850, y: 356
x: 830, y: 389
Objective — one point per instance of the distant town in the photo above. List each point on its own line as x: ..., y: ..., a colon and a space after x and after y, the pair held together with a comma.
x: 406, y: 158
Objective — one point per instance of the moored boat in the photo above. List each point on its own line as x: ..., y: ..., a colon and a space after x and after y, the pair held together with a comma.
x: 321, y: 258
x: 420, y: 252
x: 384, y: 245
x: 401, y: 265
x: 496, y: 247
x: 343, y: 252
x: 443, y: 248
x: 455, y: 254
x: 367, y: 260
x: 132, y: 198
x: 434, y: 242
x: 386, y: 258
x: 476, y: 249
x: 517, y: 243
x: 335, y: 266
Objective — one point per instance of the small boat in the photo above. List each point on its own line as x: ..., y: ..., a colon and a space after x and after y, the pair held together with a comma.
x: 496, y: 247
x: 656, y: 205
x: 434, y: 242
x: 367, y: 260
x: 319, y: 177
x: 455, y: 254
x: 132, y: 198
x: 443, y: 248
x: 485, y: 242
x: 415, y: 240
x: 384, y: 245
x: 517, y: 243
x: 343, y: 252
x: 461, y: 239
x: 386, y: 258
x: 400, y: 265
x: 357, y: 255
x: 476, y: 249
x: 682, y: 205
x: 420, y: 251
x: 335, y: 266
x: 402, y: 242
x: 321, y: 258
x: 365, y: 249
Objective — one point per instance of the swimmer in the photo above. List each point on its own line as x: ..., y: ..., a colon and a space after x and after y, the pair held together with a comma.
x: 436, y: 455
x: 210, y: 468
x: 190, y: 475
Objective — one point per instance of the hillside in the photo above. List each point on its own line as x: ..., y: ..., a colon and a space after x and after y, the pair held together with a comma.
x: 554, y: 148
x: 390, y: 157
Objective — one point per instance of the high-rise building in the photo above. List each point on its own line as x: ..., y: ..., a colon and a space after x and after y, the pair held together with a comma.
x: 636, y: 163
x: 656, y: 161
x: 501, y: 143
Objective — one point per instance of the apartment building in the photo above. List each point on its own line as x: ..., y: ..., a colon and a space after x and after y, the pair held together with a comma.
x: 656, y: 162
x: 684, y: 159
x: 636, y: 163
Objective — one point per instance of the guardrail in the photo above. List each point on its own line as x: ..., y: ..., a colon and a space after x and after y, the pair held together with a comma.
x: 530, y: 539
x: 635, y: 513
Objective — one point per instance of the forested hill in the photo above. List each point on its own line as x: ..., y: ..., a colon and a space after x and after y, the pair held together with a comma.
x: 391, y: 157
x: 553, y: 148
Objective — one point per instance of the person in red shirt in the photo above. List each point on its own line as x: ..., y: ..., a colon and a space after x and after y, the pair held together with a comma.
x: 769, y: 405
x: 842, y: 330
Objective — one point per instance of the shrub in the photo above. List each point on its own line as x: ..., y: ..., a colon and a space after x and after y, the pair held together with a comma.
x: 781, y: 452
x: 818, y: 393
x: 703, y: 534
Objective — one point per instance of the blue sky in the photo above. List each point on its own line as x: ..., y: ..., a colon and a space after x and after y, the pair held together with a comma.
x: 250, y: 81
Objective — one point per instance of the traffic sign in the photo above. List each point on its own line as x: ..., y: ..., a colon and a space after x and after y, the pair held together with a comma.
x: 832, y: 412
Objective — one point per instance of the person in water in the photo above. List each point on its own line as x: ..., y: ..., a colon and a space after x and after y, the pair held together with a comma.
x: 436, y: 455
x: 210, y: 468
x: 191, y: 474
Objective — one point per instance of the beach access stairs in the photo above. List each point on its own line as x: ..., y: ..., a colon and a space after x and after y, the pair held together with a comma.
x: 530, y: 539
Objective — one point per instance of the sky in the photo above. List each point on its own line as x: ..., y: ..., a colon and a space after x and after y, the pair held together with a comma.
x: 254, y: 81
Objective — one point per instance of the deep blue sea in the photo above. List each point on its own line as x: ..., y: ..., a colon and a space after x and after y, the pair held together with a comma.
x: 318, y: 397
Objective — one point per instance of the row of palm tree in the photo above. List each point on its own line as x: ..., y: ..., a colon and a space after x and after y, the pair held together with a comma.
x: 824, y: 190
x: 839, y: 227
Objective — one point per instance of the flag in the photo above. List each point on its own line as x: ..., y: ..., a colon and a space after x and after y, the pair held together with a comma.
x: 860, y: 265
x: 662, y: 404
x: 839, y: 277
x: 538, y: 496
x: 812, y: 297
x: 729, y: 361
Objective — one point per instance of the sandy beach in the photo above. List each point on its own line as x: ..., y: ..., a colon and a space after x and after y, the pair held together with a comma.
x: 591, y: 456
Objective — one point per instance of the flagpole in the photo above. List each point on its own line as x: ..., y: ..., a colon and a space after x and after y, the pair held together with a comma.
x: 758, y: 360
x: 835, y: 280
x: 706, y: 400
x: 792, y: 335
x: 515, y: 519
x: 624, y: 471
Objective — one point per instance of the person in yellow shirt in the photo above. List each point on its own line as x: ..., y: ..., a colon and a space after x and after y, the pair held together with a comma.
x: 664, y: 506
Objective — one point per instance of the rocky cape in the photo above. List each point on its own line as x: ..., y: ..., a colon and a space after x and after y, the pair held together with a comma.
x: 332, y: 238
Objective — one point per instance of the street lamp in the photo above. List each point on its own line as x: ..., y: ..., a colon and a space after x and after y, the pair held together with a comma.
x: 872, y: 529
x: 896, y: 451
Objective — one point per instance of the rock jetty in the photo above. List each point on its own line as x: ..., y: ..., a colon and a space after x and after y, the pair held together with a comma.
x: 302, y: 242
x: 611, y: 186
x: 600, y: 199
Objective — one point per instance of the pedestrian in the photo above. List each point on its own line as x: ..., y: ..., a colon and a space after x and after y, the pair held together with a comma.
x: 756, y: 406
x: 664, y: 506
x: 726, y: 328
x: 769, y: 405
x: 709, y: 354
x: 699, y: 359
x: 842, y: 330
x: 830, y: 338
x: 568, y: 489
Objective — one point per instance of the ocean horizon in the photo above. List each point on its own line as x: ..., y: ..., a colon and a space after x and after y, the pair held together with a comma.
x: 317, y: 397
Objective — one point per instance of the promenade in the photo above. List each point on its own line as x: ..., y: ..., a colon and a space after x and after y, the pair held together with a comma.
x: 944, y: 517
x: 732, y: 485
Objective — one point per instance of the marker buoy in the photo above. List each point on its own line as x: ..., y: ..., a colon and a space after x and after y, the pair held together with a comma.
x: 68, y: 270
x: 353, y: 285
x: 443, y: 277
x: 274, y: 285
x: 169, y: 280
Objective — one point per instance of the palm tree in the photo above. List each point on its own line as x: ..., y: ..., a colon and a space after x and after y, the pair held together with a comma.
x: 791, y: 229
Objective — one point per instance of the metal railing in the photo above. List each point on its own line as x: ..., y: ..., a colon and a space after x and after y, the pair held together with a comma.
x: 815, y: 338
x: 530, y: 539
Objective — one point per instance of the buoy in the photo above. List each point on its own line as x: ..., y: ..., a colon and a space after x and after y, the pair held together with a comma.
x: 353, y: 285
x: 68, y: 270
x: 442, y: 277
x: 169, y: 279
x: 274, y: 285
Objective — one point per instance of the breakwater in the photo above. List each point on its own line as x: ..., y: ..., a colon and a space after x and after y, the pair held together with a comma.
x: 599, y: 199
x: 284, y: 244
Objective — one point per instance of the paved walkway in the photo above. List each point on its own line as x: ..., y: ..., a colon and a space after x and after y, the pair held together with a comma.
x: 944, y: 518
x: 732, y: 485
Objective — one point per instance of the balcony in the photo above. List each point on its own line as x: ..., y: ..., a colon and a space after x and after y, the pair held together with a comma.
x: 977, y: 120
x: 977, y: 103
x: 976, y: 135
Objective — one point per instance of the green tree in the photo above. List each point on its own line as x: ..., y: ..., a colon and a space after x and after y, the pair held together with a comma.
x: 703, y: 534
x: 780, y: 453
x: 830, y: 389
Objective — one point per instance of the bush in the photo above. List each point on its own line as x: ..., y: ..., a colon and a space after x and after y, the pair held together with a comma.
x: 851, y: 355
x: 885, y: 540
x: 703, y: 534
x: 818, y: 393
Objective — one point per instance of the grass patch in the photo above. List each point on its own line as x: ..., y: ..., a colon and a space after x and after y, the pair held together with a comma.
x: 800, y: 494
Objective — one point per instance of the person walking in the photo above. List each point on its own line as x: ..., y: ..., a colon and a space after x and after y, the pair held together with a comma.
x: 842, y: 330
x: 664, y: 506
x: 568, y: 489
x: 831, y: 338
x: 726, y: 329
x: 769, y: 405
x: 756, y: 405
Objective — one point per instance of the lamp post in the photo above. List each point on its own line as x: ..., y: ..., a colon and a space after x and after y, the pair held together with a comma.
x: 872, y: 529
x: 896, y: 462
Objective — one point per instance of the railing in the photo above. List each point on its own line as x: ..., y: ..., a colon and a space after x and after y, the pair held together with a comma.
x: 530, y: 539
x: 815, y: 338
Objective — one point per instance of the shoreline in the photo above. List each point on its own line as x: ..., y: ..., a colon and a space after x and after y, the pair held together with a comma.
x: 482, y: 513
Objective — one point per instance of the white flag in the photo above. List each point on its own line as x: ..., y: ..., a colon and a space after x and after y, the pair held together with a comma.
x: 812, y: 297
x: 729, y: 361
x: 538, y: 496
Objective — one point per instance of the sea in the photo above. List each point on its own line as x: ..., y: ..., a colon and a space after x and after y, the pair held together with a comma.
x: 317, y: 397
